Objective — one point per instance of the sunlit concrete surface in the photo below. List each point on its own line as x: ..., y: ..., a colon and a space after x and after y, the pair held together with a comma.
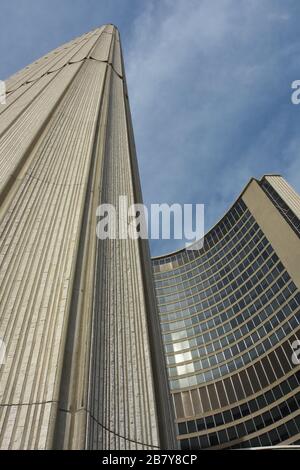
x: 83, y: 350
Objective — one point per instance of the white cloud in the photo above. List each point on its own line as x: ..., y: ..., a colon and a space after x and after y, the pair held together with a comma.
x: 209, y: 84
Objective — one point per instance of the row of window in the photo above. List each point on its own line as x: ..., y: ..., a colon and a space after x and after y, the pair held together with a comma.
x: 240, y: 361
x: 238, y: 412
x: 239, y: 326
x: 251, y: 332
x: 202, y: 256
x: 264, y: 298
x: 255, y: 323
x: 272, y: 437
x: 259, y: 283
x: 214, y: 302
x: 216, y: 305
x: 230, y: 281
x: 207, y: 266
x: 228, y: 273
x: 236, y: 387
x: 246, y: 342
x: 233, y: 314
x: 212, y: 238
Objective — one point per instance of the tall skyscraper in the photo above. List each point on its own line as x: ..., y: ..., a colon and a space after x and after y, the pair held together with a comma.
x: 78, y: 315
x: 103, y: 350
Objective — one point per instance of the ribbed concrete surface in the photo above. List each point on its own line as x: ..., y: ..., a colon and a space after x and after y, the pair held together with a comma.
x: 74, y: 312
x: 286, y: 192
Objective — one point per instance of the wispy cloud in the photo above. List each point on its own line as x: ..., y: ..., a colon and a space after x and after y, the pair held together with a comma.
x: 209, y: 83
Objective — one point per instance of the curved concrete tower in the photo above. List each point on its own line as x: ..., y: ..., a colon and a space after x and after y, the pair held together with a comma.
x: 83, y: 365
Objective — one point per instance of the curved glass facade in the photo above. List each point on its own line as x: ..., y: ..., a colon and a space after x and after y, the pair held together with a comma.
x: 229, y: 313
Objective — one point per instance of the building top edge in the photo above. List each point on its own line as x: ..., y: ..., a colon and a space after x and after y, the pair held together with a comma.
x: 180, y: 250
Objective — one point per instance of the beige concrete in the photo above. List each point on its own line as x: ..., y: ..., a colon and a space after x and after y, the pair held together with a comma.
x: 283, y: 239
x: 75, y: 313
x: 286, y: 192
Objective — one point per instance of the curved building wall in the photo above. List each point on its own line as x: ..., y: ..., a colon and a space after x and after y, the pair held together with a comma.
x: 229, y: 314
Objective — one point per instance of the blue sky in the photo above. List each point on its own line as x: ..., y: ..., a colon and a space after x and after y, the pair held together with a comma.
x: 209, y: 85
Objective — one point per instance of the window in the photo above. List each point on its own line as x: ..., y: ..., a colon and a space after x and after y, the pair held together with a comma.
x: 182, y: 428
x: 213, y: 438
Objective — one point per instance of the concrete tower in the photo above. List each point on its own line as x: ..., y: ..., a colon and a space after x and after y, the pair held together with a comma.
x: 84, y: 354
